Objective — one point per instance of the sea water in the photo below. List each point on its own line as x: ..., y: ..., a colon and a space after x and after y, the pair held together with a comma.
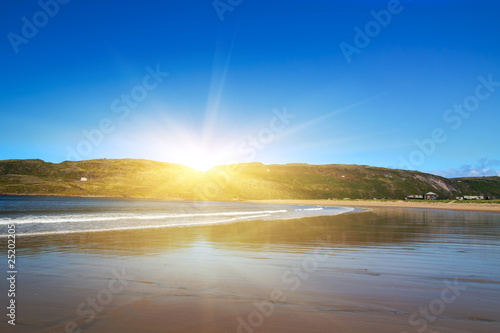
x: 38, y: 215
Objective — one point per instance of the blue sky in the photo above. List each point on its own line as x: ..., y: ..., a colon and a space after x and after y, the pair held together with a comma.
x: 409, y: 84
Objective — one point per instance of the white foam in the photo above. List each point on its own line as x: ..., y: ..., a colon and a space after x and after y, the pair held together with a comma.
x: 116, y: 217
x: 32, y: 225
x: 156, y: 226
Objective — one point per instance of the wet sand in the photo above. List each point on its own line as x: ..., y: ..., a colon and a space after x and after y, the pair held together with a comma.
x: 357, y: 272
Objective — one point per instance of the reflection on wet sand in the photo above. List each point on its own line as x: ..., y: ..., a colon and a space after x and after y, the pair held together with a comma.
x: 374, y: 228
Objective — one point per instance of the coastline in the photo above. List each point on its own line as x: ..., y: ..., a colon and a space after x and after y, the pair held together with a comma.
x: 355, y: 203
x: 470, y: 207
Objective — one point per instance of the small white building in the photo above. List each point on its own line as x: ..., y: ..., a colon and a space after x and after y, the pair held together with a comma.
x: 473, y: 197
x: 83, y: 179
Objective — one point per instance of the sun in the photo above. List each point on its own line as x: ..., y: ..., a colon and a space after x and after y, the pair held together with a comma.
x: 200, y: 159
x: 198, y: 162
x: 187, y: 150
x: 201, y: 149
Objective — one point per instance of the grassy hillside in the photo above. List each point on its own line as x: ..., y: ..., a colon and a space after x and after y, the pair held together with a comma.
x: 302, y: 181
x: 484, y: 185
x: 150, y: 179
x: 127, y: 178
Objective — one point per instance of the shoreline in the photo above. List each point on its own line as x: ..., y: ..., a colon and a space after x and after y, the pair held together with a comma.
x: 355, y: 203
x: 470, y: 207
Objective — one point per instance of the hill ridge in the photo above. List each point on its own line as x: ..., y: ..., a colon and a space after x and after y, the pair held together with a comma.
x: 140, y: 178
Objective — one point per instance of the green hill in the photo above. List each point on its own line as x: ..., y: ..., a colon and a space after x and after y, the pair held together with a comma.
x: 485, y: 185
x: 150, y: 179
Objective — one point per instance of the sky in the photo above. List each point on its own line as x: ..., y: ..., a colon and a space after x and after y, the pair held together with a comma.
x: 400, y: 84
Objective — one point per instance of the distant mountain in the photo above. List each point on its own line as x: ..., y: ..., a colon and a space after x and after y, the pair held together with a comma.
x: 150, y: 179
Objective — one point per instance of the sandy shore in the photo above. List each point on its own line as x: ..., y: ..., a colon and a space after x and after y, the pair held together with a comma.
x: 471, y: 207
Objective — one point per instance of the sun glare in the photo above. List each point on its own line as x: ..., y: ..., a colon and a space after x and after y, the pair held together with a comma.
x: 200, y: 160
x: 200, y: 163
x: 172, y: 141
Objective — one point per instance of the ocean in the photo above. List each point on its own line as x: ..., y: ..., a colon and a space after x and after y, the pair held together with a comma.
x: 37, y: 215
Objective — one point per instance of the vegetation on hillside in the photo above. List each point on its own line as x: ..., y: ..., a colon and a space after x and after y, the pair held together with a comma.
x: 150, y: 179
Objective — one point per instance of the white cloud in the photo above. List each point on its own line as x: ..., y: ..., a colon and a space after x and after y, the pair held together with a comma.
x: 483, y: 167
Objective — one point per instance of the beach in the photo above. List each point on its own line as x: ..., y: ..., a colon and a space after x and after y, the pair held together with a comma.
x: 422, y: 204
x: 378, y: 270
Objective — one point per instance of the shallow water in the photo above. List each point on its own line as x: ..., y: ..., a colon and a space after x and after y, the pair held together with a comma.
x: 51, y: 215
